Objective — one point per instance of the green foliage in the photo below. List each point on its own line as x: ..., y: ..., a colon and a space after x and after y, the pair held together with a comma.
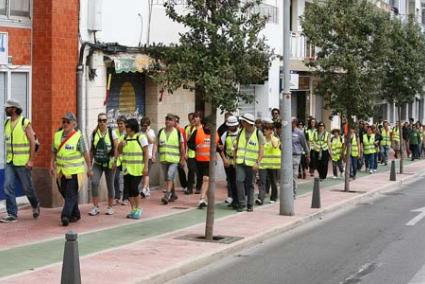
x: 404, y: 68
x: 220, y: 50
x: 350, y: 35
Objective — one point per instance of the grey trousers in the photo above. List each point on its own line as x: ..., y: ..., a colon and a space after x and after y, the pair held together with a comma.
x: 296, y: 159
x: 98, y: 170
x: 244, y: 183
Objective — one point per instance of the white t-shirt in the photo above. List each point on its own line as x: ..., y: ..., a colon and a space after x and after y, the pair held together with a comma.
x: 143, y: 141
x: 152, y: 136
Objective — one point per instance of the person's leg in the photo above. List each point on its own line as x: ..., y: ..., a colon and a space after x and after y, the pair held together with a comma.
x: 325, y: 164
x: 25, y: 178
x: 295, y: 162
x: 233, y: 187
x: 109, y: 176
x: 191, y: 170
x: 240, y: 183
x: 70, y: 190
x: 272, y: 175
x: 334, y: 168
x: 312, y: 162
x: 117, y: 189
x: 262, y: 186
x: 386, y: 150
x: 95, y: 180
x: 353, y: 167
x: 182, y: 176
x: 340, y: 166
x: 9, y: 190
x: 249, y: 186
x: 127, y: 189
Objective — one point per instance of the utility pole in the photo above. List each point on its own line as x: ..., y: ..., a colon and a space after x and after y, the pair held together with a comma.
x: 286, y: 171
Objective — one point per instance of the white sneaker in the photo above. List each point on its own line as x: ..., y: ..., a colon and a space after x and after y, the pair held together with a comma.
x: 147, y: 192
x: 109, y: 211
x: 94, y: 211
x: 228, y: 200
x: 202, y: 204
x: 124, y: 202
x: 374, y: 171
x: 371, y: 171
x: 272, y: 202
x: 334, y: 177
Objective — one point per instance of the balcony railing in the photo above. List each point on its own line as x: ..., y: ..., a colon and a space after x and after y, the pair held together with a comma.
x: 301, y: 48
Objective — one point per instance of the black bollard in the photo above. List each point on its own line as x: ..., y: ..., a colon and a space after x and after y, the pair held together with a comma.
x: 71, y: 260
x: 392, y: 171
x: 315, y: 202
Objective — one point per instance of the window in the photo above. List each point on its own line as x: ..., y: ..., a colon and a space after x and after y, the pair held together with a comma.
x: 13, y: 9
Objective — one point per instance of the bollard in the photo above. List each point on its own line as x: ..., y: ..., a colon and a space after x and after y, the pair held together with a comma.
x: 392, y: 172
x: 71, y: 260
x: 315, y: 202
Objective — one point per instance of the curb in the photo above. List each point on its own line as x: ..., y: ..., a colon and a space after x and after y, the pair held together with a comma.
x: 201, y: 261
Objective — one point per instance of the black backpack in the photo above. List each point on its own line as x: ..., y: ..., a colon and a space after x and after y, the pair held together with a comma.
x: 100, y: 151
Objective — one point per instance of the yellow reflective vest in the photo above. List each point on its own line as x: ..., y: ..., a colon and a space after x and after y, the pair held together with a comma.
x: 230, y: 146
x: 169, y: 148
x: 336, y: 145
x: 320, y: 142
x: 17, y: 143
x: 369, y: 144
x: 354, y: 147
x: 132, y: 156
x: 69, y: 160
x: 247, y: 151
x: 272, y: 156
x: 385, y: 137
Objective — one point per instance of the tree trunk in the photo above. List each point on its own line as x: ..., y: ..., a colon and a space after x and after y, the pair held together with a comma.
x: 209, y: 226
x: 348, y: 160
x: 401, y: 138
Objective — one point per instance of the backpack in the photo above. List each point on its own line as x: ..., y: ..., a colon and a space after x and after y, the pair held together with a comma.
x: 134, y: 139
x: 100, y: 151
x: 37, y: 142
x: 179, y: 135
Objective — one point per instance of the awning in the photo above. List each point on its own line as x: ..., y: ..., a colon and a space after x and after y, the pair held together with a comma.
x: 132, y: 62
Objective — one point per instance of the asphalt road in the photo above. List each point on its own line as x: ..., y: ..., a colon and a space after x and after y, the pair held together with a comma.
x: 369, y: 244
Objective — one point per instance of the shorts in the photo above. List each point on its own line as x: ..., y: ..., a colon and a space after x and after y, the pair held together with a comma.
x: 203, y: 168
x: 169, y: 170
x: 131, y: 185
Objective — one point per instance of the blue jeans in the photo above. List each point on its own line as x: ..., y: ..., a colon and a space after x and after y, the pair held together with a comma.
x: 21, y: 173
x: 245, y: 185
x: 384, y: 153
x: 371, y: 161
x: 353, y: 166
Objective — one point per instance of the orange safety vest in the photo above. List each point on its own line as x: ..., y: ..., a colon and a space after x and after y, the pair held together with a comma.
x: 202, y: 142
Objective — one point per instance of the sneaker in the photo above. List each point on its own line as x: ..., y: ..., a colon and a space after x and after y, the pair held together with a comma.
x: 374, y: 171
x: 74, y: 219
x: 137, y: 214
x: 36, y: 211
x: 146, y: 192
x: 124, y: 202
x: 65, y: 221
x: 8, y: 219
x: 334, y: 177
x: 371, y: 171
x: 166, y: 198
x: 173, y: 197
x: 250, y: 209
x: 94, y: 211
x: 272, y: 201
x: 258, y: 201
x: 240, y: 209
x: 202, y: 204
x: 130, y: 215
x: 228, y: 200
x: 197, y: 192
x: 188, y: 192
x: 109, y: 211
x: 116, y: 202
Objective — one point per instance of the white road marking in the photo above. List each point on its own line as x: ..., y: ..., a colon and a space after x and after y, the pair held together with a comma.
x: 418, y: 218
x: 419, y: 277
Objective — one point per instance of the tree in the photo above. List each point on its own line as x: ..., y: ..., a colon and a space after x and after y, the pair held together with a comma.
x: 404, y: 68
x: 220, y: 50
x: 349, y: 38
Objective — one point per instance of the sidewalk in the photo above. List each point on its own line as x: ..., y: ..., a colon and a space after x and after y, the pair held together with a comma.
x: 153, y: 250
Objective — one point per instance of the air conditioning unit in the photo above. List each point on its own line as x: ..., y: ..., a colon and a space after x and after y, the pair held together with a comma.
x: 94, y: 15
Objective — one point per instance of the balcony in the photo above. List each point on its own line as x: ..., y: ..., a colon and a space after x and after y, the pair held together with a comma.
x: 300, y: 48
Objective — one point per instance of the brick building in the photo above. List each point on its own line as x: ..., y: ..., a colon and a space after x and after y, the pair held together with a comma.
x: 40, y: 57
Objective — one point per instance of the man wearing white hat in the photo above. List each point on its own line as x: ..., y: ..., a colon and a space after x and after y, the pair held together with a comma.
x: 249, y: 152
x: 20, y: 152
x: 228, y: 140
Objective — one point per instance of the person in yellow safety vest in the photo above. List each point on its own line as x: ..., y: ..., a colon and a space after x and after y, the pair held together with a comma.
x: 355, y: 154
x: 385, y: 142
x: 170, y: 145
x: 195, y: 123
x: 228, y: 140
x: 310, y: 133
x: 337, y: 144
x: 118, y: 177
x: 395, y: 140
x: 369, y: 149
x: 321, y: 150
x: 67, y: 164
x: 135, y: 164
x: 102, y: 154
x: 270, y: 164
x: 20, y: 152
x: 249, y: 153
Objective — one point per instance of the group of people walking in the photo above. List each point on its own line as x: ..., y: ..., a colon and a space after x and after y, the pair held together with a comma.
x: 250, y: 150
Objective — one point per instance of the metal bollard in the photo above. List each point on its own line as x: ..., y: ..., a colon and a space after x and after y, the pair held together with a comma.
x: 71, y: 260
x: 315, y: 202
x: 392, y: 172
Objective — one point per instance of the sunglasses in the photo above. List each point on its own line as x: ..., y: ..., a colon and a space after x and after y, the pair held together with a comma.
x: 102, y: 120
x: 169, y: 118
x: 65, y: 121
